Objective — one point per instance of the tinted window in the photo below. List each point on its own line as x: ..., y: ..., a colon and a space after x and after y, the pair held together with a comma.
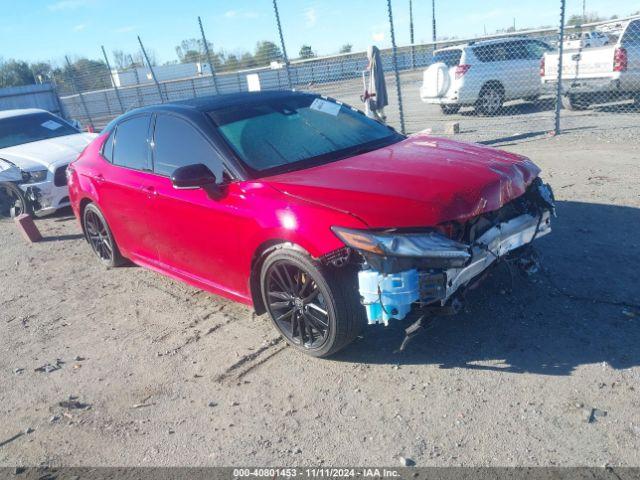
x: 632, y: 34
x: 516, y: 50
x: 496, y: 52
x: 298, y: 131
x: 131, y: 146
x: 177, y: 144
x: 536, y: 49
x: 450, y: 58
x: 32, y: 127
x: 107, y: 148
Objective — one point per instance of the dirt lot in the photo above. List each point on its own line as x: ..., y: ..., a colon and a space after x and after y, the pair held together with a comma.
x: 153, y: 372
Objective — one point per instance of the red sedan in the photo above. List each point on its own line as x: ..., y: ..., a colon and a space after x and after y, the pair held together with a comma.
x: 305, y: 209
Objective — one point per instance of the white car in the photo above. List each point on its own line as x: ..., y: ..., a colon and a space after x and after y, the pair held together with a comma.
x: 600, y: 74
x: 484, y: 74
x: 576, y: 41
x: 40, y: 146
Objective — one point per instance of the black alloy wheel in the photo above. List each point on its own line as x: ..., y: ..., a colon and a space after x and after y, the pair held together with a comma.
x: 297, y: 306
x: 314, y: 306
x: 100, y: 238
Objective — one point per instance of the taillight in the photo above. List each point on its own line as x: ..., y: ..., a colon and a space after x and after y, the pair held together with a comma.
x: 542, y: 67
x: 461, y: 70
x: 620, y: 60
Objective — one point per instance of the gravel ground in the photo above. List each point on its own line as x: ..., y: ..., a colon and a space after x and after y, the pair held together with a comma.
x: 143, y: 370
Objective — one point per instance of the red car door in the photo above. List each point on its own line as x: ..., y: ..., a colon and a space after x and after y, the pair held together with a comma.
x: 121, y: 184
x: 196, y: 235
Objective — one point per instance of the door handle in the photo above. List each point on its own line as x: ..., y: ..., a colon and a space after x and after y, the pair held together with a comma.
x: 99, y: 178
x: 151, y: 191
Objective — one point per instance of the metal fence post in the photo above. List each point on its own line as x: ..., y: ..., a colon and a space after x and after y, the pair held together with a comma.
x: 413, y: 48
x: 153, y: 74
x: 113, y: 80
x: 560, y: 52
x: 208, y: 53
x: 433, y: 21
x: 77, y: 90
x: 395, y: 66
x: 284, y: 49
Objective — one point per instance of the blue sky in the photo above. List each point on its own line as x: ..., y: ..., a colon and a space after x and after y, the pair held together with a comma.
x: 49, y: 29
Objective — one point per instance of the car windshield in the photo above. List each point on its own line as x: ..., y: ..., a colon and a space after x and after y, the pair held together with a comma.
x: 297, y: 132
x: 32, y: 128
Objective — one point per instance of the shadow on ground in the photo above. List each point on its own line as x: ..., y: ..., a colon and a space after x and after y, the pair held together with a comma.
x: 570, y: 315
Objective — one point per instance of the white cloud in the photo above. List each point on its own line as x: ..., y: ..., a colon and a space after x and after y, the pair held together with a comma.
x: 79, y: 27
x: 311, y: 17
x: 231, y: 13
x: 68, y: 5
x: 377, y: 36
x: 125, y: 29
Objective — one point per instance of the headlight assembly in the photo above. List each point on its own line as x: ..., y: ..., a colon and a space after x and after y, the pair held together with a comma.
x: 35, y: 176
x: 427, y: 245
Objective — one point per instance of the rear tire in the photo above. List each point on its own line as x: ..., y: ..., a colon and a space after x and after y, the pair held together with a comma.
x: 450, y: 109
x: 490, y: 100
x: 316, y: 308
x: 100, y: 238
x: 574, y: 102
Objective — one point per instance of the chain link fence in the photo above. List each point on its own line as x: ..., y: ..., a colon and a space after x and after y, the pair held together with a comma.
x: 493, y: 87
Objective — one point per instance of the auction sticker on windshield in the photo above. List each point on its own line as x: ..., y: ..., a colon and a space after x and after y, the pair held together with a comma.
x: 325, y: 107
x: 51, y: 125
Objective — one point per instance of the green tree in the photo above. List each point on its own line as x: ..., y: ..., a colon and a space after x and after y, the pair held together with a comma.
x: 346, y: 48
x: 306, y: 52
x: 14, y: 73
x: 41, y: 71
x: 231, y: 62
x: 267, y: 52
x: 248, y: 61
x: 83, y: 74
x: 582, y: 19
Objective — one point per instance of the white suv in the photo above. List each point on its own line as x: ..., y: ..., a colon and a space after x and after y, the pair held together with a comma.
x: 484, y: 74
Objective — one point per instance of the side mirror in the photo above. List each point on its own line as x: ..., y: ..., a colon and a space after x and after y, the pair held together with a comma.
x: 192, y: 176
x: 196, y: 176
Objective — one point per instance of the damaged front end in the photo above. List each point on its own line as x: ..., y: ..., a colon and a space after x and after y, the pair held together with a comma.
x: 428, y: 268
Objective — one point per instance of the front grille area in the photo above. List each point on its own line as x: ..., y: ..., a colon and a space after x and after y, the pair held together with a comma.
x: 60, y: 176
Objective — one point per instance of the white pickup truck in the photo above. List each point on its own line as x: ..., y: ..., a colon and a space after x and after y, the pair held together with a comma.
x: 597, y: 74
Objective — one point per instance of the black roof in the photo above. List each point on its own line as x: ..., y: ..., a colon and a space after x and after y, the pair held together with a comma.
x: 214, y: 102
x: 209, y: 103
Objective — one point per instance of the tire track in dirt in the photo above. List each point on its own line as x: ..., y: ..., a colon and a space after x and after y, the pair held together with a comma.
x: 251, y: 361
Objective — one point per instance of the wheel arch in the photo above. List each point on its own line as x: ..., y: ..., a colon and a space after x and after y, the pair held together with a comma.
x: 258, y: 258
x: 81, y: 207
x: 493, y: 83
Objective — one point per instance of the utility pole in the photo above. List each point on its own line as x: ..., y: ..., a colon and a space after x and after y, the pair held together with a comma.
x: 433, y: 16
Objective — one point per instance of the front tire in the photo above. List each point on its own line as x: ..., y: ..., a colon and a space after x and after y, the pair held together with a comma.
x: 99, y: 236
x: 449, y: 109
x: 13, y: 201
x: 314, y: 307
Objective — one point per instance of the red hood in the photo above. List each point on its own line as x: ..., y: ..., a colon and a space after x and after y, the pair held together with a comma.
x: 421, y: 181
